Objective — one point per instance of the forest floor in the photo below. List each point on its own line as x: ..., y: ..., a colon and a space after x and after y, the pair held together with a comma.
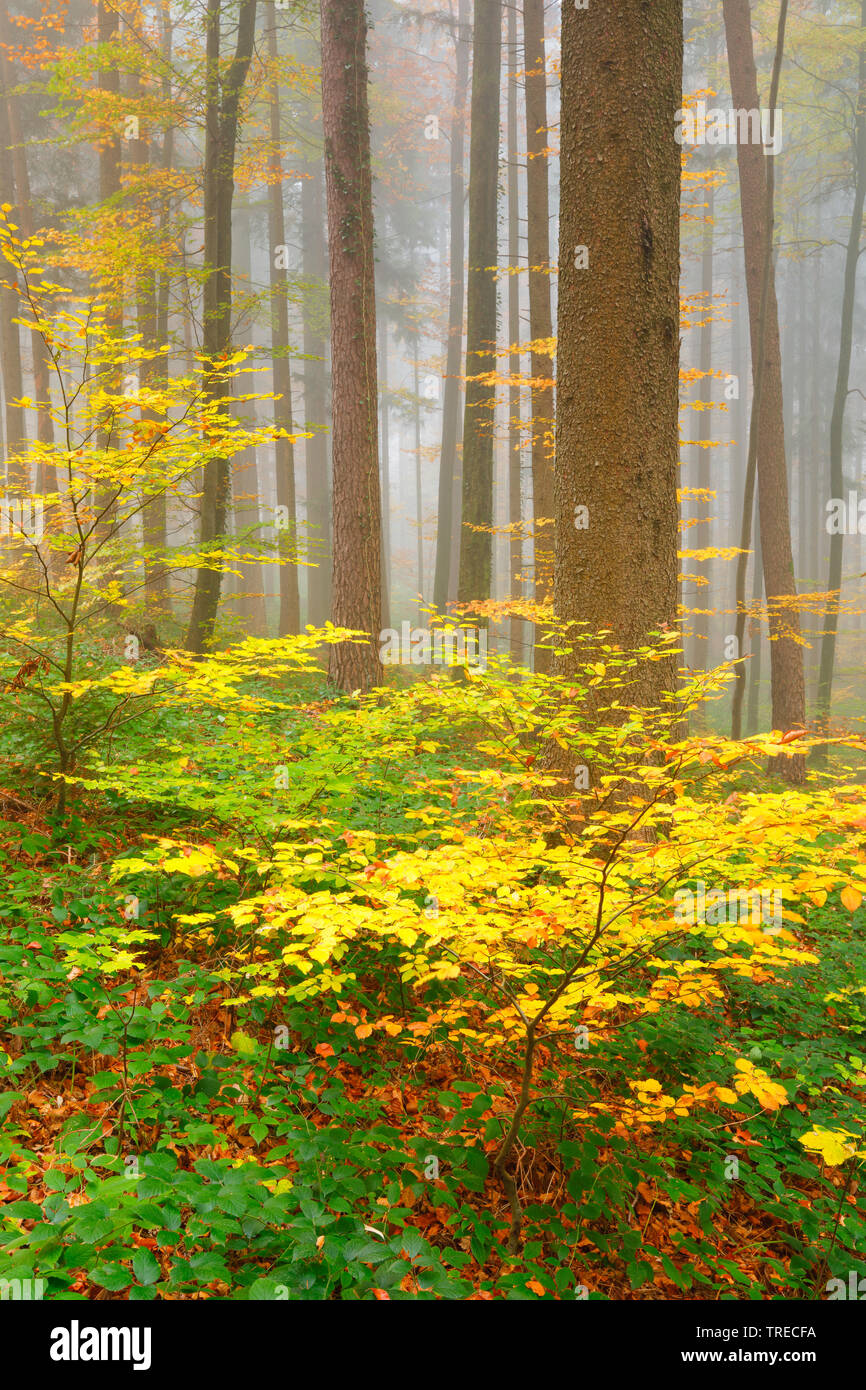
x: 163, y: 1140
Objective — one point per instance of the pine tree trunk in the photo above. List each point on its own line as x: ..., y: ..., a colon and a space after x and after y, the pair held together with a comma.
x: 357, y: 573
x: 318, y: 544
x: 540, y: 321
x: 515, y: 437
x: 476, y: 541
x: 385, y: 471
x: 617, y: 434
x: 284, y: 450
x: 449, y: 462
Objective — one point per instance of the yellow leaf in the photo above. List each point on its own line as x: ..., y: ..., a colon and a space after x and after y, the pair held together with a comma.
x: 830, y: 1144
x: 851, y: 899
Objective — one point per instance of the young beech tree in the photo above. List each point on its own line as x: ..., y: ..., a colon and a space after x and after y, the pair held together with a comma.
x: 617, y: 388
x: 357, y: 594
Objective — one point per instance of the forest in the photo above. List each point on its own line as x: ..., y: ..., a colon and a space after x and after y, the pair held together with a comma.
x: 432, y: 635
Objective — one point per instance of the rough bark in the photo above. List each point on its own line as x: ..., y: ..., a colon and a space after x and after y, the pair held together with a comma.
x: 515, y: 436
x: 284, y: 452
x: 476, y: 540
x: 617, y: 437
x: 356, y: 598
x: 540, y: 322
x: 314, y: 247
x: 449, y: 460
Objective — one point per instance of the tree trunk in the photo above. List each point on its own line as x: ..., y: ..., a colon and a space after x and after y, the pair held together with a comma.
x: 385, y: 472
x: 449, y: 462
x: 284, y: 450
x: 419, y: 492
x: 17, y: 473
x: 515, y: 439
x: 476, y: 541
x: 245, y: 487
x: 840, y: 400
x: 318, y: 545
x: 705, y: 505
x: 617, y: 433
x: 24, y: 216
x: 357, y: 572
x: 540, y: 322
x: 786, y: 661
x: 221, y: 128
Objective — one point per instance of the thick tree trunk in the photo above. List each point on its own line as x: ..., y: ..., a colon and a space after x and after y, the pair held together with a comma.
x: 476, y: 541
x: 221, y: 128
x: 840, y: 398
x: 449, y: 462
x: 786, y: 660
x: 540, y: 322
x: 357, y: 573
x: 284, y: 451
x: 617, y: 436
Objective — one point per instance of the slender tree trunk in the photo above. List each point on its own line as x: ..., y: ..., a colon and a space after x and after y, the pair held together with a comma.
x: 419, y: 494
x: 840, y: 400
x: 108, y: 80
x: 315, y: 396
x: 755, y: 645
x: 17, y: 474
x: 515, y: 440
x: 802, y: 428
x: 357, y: 573
x: 768, y: 447
x: 540, y: 321
x: 449, y: 462
x: 617, y: 434
x: 221, y: 128
x: 385, y: 473
x: 705, y: 505
x: 245, y: 486
x: 153, y: 515
x: 24, y: 216
x: 284, y: 450
x: 476, y: 542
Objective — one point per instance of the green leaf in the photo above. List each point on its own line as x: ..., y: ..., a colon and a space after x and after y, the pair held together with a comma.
x: 145, y: 1266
